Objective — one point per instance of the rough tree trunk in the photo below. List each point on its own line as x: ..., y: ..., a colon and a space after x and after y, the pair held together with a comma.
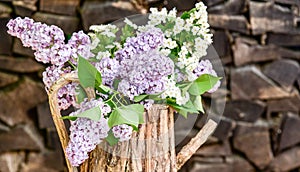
x: 151, y: 149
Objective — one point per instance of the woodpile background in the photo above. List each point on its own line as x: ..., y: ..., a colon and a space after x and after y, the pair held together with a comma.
x: 259, y: 45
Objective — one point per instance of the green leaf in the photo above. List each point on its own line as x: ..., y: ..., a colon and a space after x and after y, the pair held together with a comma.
x: 81, y: 94
x: 139, y: 97
x: 111, y: 139
x: 198, y: 104
x: 131, y: 115
x: 185, y: 15
x: 72, y: 118
x: 182, y: 109
x: 127, y: 31
x: 93, y: 114
x: 104, y: 89
x: 202, y: 84
x: 88, y: 75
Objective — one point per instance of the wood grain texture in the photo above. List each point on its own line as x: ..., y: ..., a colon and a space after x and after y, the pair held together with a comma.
x: 151, y: 148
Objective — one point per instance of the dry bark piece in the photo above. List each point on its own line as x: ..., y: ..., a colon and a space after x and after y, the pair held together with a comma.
x: 220, y: 149
x: 66, y: 7
x: 231, y: 7
x: 25, y: 7
x: 224, y: 129
x: 18, y: 138
x: 104, y: 12
x: 290, y: 104
x: 290, y: 135
x: 68, y: 24
x: 20, y: 65
x: 237, y: 23
x: 255, y: 143
x: 268, y: 16
x: 244, y: 110
x: 284, y: 72
x: 211, y: 167
x: 7, y: 79
x: 18, y: 48
x: 19, y: 97
x: 283, y: 39
x: 250, y: 83
x: 238, y: 163
x: 6, y: 39
x: 44, y: 116
x: 11, y: 161
x: 286, y: 160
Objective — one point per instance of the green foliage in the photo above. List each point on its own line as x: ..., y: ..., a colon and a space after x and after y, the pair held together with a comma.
x: 127, y: 31
x: 93, y: 114
x: 202, y: 84
x: 182, y: 109
x: 88, y: 75
x: 81, y: 94
x: 131, y: 115
x: 111, y: 139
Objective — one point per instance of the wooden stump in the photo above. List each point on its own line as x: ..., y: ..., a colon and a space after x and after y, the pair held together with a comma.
x: 151, y: 148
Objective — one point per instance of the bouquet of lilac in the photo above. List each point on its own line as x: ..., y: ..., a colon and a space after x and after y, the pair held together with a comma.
x: 159, y: 62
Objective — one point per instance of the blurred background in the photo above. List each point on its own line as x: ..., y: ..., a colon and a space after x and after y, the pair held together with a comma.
x: 258, y: 43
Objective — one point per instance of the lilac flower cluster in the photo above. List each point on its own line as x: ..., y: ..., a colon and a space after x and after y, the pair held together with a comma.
x: 80, y: 45
x: 109, y: 69
x: 49, y: 46
x: 48, y: 41
x: 123, y: 132
x: 86, y: 134
x: 205, y: 67
x: 145, y: 41
x: 144, y: 73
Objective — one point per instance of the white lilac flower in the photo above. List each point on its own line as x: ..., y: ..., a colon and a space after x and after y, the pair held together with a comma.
x: 165, y: 52
x: 130, y: 23
x: 169, y: 43
x: 123, y: 132
x: 95, y: 40
x: 172, y: 91
x: 179, y: 26
x: 103, y: 28
x: 86, y: 134
x: 157, y: 17
x: 101, y: 55
x: 172, y: 13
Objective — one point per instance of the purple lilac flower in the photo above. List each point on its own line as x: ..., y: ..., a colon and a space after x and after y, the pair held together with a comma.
x: 123, y: 132
x: 46, y: 41
x: 66, y: 94
x: 80, y: 45
x: 147, y: 103
x: 86, y: 134
x: 205, y: 67
x: 109, y: 69
x: 144, y: 42
x: 144, y: 73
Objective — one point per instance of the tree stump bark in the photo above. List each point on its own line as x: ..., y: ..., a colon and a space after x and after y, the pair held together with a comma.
x: 151, y: 148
